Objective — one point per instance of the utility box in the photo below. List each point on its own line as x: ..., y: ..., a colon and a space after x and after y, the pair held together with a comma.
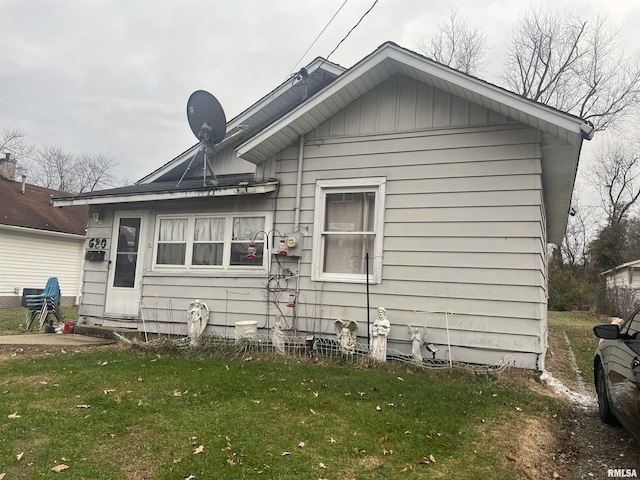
x: 294, y: 244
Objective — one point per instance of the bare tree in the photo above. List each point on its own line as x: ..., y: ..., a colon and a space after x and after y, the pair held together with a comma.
x: 581, y: 226
x: 12, y: 141
x: 616, y: 176
x: 54, y: 167
x: 456, y: 44
x: 573, y: 65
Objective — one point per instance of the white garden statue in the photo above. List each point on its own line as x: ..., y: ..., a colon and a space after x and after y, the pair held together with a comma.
x: 417, y: 339
x: 379, y: 331
x: 197, y: 319
x: 278, y: 336
x: 346, y: 331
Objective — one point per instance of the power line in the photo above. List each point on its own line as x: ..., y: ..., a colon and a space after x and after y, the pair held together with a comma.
x: 319, y: 35
x: 352, y: 29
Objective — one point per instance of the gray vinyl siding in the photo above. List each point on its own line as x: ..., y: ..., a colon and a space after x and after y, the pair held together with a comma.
x: 464, y: 227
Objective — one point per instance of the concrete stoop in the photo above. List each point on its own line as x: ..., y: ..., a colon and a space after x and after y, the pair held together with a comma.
x: 107, y: 332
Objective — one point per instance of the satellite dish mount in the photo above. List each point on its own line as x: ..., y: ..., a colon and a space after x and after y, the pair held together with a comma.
x: 209, y: 125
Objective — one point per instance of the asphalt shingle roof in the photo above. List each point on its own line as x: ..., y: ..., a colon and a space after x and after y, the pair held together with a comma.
x: 34, y: 210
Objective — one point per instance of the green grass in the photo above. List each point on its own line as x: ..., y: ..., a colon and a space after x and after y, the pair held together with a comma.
x: 112, y: 413
x: 118, y: 412
x: 578, y: 326
x: 12, y: 319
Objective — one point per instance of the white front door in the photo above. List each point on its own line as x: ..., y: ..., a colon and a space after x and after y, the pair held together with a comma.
x: 125, y: 265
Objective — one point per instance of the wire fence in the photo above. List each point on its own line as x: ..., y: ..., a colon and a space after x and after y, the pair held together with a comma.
x: 309, y: 346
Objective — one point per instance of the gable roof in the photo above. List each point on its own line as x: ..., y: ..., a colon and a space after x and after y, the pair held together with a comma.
x: 633, y: 264
x: 33, y: 209
x: 562, y: 133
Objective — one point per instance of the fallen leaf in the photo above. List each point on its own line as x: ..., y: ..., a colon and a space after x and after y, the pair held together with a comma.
x: 402, y: 469
x: 316, y: 394
x: 19, y: 456
x: 83, y: 406
x: 2, y: 475
x: 432, y: 458
x: 59, y: 468
x: 322, y: 465
x: 301, y: 445
x: 257, y: 402
x: 285, y: 453
x: 424, y: 461
x: 65, y: 459
x: 14, y: 415
x: 518, y: 409
x: 379, y: 408
x: 177, y: 460
x: 190, y: 477
x: 111, y: 390
x: 556, y: 475
x: 332, y: 440
x: 401, y: 379
x: 510, y: 458
x: 140, y: 379
x: 313, y: 411
x: 198, y: 450
x: 139, y: 402
x: 176, y: 393
x: 381, y: 440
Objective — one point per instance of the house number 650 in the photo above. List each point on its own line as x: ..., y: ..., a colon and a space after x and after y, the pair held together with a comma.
x: 97, y: 243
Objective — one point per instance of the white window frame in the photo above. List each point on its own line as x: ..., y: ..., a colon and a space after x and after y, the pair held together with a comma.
x: 352, y: 185
x: 226, y: 266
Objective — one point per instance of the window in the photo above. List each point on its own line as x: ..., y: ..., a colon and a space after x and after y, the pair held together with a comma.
x: 214, y: 242
x: 348, y: 226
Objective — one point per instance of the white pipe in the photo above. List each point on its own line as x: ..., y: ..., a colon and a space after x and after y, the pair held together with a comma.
x: 296, y: 222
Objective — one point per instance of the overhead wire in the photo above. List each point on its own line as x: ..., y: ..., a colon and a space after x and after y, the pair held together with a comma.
x: 319, y: 35
x: 352, y: 29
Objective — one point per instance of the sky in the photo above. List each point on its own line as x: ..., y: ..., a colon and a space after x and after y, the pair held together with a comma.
x: 113, y: 77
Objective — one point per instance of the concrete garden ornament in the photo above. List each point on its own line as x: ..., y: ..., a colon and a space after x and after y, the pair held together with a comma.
x: 346, y: 331
x: 197, y: 319
x: 417, y: 339
x: 379, y: 332
x: 278, y: 336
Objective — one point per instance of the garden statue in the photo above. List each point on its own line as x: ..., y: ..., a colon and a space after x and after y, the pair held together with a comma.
x: 346, y: 331
x: 417, y: 339
x: 197, y: 319
x: 379, y: 332
x: 278, y: 336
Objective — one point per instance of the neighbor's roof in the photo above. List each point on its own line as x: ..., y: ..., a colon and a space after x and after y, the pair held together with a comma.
x: 635, y: 263
x: 33, y: 209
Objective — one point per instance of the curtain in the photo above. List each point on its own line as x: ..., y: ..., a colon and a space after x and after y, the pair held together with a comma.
x: 348, y: 212
x: 172, y: 234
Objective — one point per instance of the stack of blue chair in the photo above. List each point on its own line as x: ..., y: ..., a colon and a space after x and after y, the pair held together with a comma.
x: 46, y: 304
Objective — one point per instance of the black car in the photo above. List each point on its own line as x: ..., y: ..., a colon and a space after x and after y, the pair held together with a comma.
x: 616, y: 369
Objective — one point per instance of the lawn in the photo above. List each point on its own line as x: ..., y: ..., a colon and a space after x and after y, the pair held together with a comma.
x: 12, y: 319
x: 121, y: 412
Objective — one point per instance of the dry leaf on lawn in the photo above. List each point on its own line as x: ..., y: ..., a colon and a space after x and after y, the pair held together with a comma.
x: 198, y: 450
x: 2, y: 475
x: 556, y: 475
x: 19, y: 456
x: 403, y: 469
x: 59, y: 468
x: 14, y: 415
x: 301, y: 445
x: 432, y: 458
x: 190, y: 477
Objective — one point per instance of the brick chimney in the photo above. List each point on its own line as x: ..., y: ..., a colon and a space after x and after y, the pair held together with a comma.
x: 7, y: 167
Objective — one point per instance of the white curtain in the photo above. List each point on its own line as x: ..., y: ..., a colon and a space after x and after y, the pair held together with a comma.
x: 172, y: 234
x: 208, y: 237
x: 209, y: 229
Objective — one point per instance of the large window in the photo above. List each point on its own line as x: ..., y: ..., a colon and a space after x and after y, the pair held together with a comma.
x: 348, y: 228
x: 215, y: 242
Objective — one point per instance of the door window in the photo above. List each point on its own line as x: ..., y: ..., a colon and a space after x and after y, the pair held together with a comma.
x: 127, y: 253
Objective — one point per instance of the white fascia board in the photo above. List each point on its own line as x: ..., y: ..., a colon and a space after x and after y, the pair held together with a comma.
x: 312, y: 103
x: 562, y: 120
x: 492, y: 92
x: 35, y: 231
x: 156, y: 196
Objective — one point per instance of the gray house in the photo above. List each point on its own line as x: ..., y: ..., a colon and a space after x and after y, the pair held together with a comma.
x: 398, y: 182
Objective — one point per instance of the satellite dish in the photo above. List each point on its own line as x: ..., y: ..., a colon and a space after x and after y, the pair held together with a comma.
x: 206, y: 118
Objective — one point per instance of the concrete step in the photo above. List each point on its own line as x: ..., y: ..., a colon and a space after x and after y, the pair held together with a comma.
x: 107, y: 332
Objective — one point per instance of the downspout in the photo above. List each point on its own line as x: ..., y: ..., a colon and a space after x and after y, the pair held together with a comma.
x: 296, y: 222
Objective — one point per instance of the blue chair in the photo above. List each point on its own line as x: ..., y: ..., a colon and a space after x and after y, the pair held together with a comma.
x: 47, y: 303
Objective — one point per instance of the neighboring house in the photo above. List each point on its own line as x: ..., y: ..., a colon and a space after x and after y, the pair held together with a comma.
x: 451, y: 186
x: 623, y: 287
x: 37, y: 240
